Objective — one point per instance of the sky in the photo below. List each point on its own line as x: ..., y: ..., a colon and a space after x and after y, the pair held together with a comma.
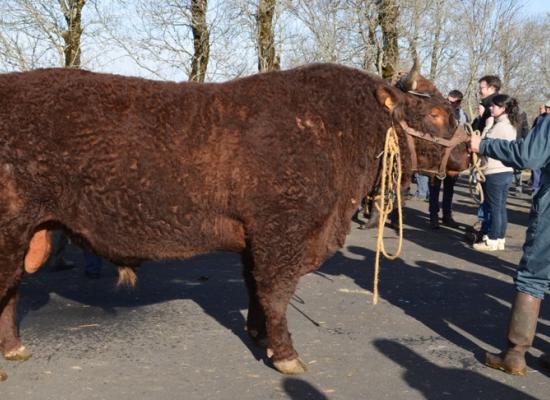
x: 534, y: 7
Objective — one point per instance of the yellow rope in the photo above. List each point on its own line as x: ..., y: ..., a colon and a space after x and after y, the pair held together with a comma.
x: 390, y: 188
x: 476, y: 175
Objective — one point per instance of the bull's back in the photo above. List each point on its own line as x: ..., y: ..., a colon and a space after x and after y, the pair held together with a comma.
x: 183, y: 164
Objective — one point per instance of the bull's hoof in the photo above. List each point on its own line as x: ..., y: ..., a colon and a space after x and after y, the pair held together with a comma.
x: 20, y: 354
x: 3, y: 376
x: 290, y: 367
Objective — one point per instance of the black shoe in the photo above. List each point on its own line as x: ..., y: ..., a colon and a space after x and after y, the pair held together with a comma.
x: 450, y: 222
x: 355, y: 218
x: 434, y: 223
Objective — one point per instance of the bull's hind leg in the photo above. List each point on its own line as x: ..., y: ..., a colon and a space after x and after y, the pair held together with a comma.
x: 37, y: 253
x: 11, y: 270
x: 10, y: 342
x: 12, y: 260
x: 255, y: 319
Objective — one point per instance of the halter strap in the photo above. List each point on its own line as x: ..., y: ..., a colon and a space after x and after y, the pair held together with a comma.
x: 459, y: 136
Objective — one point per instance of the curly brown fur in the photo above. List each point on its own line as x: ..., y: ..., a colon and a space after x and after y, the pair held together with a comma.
x: 275, y: 163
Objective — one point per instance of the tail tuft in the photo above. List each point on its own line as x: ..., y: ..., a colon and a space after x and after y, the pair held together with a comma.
x: 127, y: 277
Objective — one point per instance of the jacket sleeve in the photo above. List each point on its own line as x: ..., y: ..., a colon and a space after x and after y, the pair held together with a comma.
x: 532, y: 152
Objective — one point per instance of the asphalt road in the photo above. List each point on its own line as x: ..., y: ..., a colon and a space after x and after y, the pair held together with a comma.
x: 179, y: 334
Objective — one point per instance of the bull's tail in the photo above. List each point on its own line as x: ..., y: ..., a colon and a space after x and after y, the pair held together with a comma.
x: 127, y: 277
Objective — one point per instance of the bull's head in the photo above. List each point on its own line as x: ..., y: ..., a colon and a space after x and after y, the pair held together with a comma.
x: 434, y: 137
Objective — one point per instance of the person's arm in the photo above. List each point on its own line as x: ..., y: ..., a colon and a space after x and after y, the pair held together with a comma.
x: 532, y: 152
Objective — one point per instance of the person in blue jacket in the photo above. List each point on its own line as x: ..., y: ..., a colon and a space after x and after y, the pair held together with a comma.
x: 533, y: 274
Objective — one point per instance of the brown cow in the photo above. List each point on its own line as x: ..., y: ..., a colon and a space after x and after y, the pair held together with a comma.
x: 271, y: 166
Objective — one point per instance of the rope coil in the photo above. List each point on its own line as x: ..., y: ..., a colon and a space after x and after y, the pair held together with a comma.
x: 476, y: 175
x: 390, y: 190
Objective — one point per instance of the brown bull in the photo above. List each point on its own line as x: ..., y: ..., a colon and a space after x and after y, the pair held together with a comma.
x: 271, y: 166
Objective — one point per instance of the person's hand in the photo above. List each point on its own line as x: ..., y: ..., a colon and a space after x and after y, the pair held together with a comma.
x: 480, y: 110
x: 475, y: 140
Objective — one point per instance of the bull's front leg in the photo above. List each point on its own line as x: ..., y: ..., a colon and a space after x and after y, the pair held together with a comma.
x: 274, y: 298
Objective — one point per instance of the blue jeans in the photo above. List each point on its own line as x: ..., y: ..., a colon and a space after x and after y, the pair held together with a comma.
x: 92, y: 262
x: 495, y: 189
x: 448, y: 191
x: 536, y: 179
x: 421, y: 186
x: 533, y: 273
x: 484, y: 215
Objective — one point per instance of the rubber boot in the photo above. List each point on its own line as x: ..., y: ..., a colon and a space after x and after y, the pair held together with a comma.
x: 521, y: 332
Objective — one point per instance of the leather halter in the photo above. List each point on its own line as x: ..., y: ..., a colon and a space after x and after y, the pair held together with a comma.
x: 459, y: 136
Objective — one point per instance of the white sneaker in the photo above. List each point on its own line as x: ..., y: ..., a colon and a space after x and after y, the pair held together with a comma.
x: 487, y: 245
x: 501, y: 243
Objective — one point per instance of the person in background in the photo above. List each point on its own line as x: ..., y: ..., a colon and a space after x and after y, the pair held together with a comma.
x: 532, y: 278
x: 455, y: 98
x: 59, y: 262
x: 489, y: 87
x: 421, y: 186
x: 498, y: 177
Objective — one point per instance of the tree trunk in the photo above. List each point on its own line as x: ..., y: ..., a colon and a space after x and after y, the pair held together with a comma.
x: 388, y: 17
x: 267, y: 58
x: 436, y: 46
x: 72, y: 11
x: 201, y: 40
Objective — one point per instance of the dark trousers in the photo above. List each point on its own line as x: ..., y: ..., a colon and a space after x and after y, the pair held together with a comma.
x: 448, y: 191
x: 495, y: 189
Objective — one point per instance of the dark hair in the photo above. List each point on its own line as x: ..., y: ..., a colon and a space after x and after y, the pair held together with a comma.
x: 492, y: 80
x: 457, y: 94
x: 511, y: 107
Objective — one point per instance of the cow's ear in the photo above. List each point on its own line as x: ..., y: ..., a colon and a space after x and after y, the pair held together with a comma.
x: 386, y: 98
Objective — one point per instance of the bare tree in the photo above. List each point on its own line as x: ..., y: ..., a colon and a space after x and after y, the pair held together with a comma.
x: 267, y: 58
x: 437, y: 31
x: 388, y: 20
x: 479, y: 25
x: 180, y: 39
x: 365, y: 34
x: 201, y: 40
x: 72, y: 12
x: 39, y: 33
x: 320, y: 34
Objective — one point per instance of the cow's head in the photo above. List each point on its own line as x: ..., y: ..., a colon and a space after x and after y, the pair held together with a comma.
x: 435, y: 139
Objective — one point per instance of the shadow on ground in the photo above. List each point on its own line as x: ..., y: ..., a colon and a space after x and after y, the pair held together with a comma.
x: 435, y: 382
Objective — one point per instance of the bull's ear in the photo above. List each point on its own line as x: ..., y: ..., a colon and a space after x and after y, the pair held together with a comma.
x: 386, y: 98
